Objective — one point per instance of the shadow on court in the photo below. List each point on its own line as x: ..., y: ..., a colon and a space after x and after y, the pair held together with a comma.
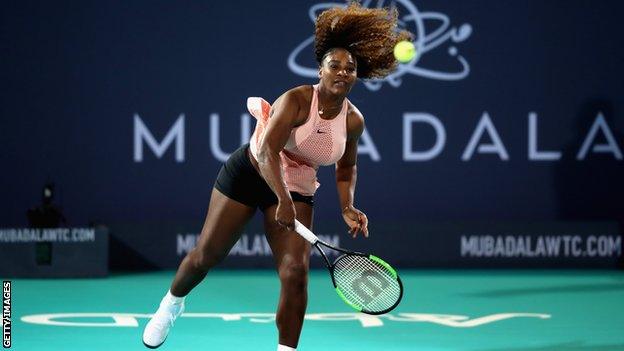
x: 560, y: 289
x: 572, y: 346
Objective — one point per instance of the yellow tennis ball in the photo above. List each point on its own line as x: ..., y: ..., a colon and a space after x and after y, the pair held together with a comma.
x: 404, y: 51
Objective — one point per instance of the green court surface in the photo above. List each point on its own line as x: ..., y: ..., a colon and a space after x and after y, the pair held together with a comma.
x: 233, y: 310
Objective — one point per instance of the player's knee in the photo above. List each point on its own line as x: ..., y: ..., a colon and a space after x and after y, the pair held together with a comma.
x: 203, y: 261
x: 294, y: 276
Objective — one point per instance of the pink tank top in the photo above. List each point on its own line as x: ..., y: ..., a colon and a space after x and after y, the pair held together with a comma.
x: 317, y: 142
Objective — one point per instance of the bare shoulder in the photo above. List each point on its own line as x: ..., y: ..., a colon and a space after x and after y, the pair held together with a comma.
x: 303, y: 92
x: 355, y: 121
x: 296, y: 99
x: 301, y: 95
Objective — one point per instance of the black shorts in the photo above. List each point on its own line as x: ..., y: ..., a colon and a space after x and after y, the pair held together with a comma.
x: 239, y: 180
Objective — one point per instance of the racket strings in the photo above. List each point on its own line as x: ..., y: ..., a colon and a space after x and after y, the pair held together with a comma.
x: 366, y: 283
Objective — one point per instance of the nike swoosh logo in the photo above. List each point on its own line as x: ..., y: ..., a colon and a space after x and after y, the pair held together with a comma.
x: 321, y: 132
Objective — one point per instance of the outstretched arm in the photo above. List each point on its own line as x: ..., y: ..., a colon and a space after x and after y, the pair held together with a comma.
x: 285, y: 115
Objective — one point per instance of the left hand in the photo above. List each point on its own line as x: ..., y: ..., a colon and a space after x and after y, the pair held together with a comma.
x: 356, y: 220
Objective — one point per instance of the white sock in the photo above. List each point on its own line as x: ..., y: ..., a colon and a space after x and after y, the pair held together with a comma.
x: 174, y: 300
x: 281, y: 347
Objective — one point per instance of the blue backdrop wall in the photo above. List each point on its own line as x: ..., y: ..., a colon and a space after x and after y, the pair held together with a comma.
x: 506, y: 132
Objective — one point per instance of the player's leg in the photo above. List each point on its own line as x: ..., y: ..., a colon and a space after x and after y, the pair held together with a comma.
x: 225, y: 220
x: 232, y: 204
x: 291, y: 253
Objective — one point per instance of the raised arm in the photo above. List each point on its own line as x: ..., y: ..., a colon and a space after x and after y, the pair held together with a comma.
x: 286, y: 114
x: 346, y: 176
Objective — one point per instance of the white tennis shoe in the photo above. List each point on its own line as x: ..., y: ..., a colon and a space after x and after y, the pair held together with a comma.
x: 158, y: 327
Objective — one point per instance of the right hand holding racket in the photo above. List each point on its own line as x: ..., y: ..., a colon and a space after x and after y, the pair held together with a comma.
x: 356, y: 220
x: 285, y: 214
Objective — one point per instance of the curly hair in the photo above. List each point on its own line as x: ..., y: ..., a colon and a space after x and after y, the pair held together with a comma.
x: 369, y: 34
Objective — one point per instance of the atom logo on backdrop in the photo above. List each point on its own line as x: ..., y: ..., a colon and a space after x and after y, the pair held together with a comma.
x: 413, y: 20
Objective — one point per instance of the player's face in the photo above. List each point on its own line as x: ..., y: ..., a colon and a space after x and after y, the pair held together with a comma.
x: 338, y: 72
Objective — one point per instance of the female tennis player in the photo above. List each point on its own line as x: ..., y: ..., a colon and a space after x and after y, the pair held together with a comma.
x: 306, y: 127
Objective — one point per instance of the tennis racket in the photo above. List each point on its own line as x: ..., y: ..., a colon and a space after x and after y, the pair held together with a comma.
x: 365, y: 282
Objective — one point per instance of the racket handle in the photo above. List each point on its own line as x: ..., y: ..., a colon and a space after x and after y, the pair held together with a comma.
x: 305, y: 232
